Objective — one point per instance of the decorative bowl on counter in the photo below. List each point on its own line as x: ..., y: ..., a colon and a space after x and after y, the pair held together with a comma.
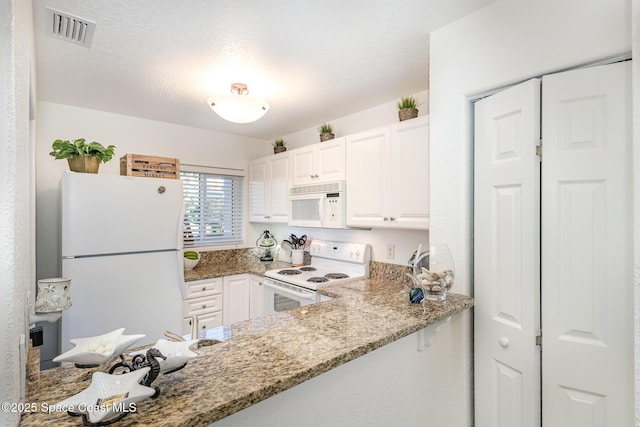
x: 191, y: 259
x: 177, y: 354
x: 108, y: 397
x: 99, y: 350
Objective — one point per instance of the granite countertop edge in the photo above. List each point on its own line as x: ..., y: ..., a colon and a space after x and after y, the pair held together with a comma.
x: 260, y: 358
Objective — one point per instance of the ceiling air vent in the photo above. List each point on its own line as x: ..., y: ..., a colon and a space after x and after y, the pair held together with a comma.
x: 70, y: 28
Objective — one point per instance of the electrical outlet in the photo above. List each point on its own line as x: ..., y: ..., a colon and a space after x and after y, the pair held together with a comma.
x: 391, y: 251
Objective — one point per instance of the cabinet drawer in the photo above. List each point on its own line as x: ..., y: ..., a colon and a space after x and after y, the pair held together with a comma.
x: 203, y: 288
x: 197, y: 306
x: 205, y: 321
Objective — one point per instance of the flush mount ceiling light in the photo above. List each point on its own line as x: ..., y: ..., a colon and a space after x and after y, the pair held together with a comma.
x: 239, y: 107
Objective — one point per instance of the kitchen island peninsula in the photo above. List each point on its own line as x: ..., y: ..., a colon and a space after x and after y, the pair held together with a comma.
x: 272, y: 356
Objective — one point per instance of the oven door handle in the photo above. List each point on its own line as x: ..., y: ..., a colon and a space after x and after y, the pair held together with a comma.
x: 305, y: 295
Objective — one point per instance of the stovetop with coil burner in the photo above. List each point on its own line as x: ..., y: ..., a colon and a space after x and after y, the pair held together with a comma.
x: 331, y: 262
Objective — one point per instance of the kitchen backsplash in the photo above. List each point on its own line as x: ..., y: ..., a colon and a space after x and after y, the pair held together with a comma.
x: 229, y: 256
x: 378, y: 270
x: 390, y: 272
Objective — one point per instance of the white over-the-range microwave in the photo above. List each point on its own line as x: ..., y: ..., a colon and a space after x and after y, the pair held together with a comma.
x: 317, y: 205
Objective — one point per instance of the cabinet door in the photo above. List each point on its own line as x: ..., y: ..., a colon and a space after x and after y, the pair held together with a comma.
x: 330, y: 160
x: 256, y: 300
x: 258, y: 182
x: 367, y: 178
x: 205, y: 321
x: 409, y: 175
x: 302, y: 165
x: 236, y: 299
x: 278, y: 190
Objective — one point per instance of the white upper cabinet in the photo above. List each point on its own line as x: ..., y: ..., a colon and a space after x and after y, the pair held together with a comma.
x: 387, y: 176
x: 322, y: 162
x: 268, y: 188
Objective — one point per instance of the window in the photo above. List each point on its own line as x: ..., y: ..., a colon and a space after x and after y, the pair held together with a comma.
x: 213, y: 209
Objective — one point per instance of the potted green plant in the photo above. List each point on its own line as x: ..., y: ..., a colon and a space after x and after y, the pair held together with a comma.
x: 82, y: 157
x: 326, y: 132
x: 279, y: 146
x: 407, y: 108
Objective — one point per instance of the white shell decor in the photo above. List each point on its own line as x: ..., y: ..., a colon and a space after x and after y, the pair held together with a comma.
x: 108, y: 396
x: 98, y: 350
x: 177, y: 353
x: 441, y: 279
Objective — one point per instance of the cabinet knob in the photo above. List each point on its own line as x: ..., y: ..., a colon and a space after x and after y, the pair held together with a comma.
x: 311, y: 176
x: 204, y: 288
x: 204, y: 305
x: 393, y: 218
x: 386, y: 218
x: 504, y: 342
x: 316, y: 176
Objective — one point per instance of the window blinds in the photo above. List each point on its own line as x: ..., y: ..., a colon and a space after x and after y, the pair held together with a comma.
x: 213, y: 209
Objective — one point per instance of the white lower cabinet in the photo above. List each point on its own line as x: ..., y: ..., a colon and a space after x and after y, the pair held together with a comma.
x: 243, y: 298
x: 203, y: 298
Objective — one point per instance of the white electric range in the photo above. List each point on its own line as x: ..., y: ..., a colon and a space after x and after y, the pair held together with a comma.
x: 331, y: 263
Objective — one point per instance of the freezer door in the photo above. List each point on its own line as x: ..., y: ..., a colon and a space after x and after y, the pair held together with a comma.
x: 107, y: 214
x: 138, y: 292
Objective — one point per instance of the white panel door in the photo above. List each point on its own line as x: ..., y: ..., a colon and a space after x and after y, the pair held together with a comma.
x: 507, y: 258
x: 587, y: 284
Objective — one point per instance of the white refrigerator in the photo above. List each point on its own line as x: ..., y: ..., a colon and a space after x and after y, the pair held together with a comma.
x: 122, y: 249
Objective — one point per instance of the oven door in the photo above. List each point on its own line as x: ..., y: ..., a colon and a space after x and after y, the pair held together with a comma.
x: 280, y: 296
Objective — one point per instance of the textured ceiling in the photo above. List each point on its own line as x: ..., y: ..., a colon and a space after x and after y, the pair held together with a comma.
x: 313, y: 60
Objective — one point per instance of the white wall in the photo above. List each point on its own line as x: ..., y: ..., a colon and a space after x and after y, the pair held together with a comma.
x: 379, y: 115
x: 503, y: 43
x: 16, y: 193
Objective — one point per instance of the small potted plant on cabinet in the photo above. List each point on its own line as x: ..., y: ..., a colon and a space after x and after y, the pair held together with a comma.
x: 326, y: 132
x: 407, y: 108
x: 279, y: 146
x: 82, y: 157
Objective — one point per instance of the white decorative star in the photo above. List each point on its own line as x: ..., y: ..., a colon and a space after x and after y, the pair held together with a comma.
x: 177, y: 353
x: 98, y: 350
x: 124, y: 389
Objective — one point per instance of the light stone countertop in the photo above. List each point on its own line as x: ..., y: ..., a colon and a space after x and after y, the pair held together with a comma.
x: 262, y: 357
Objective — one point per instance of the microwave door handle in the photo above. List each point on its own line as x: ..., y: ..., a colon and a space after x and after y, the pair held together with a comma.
x: 309, y: 296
